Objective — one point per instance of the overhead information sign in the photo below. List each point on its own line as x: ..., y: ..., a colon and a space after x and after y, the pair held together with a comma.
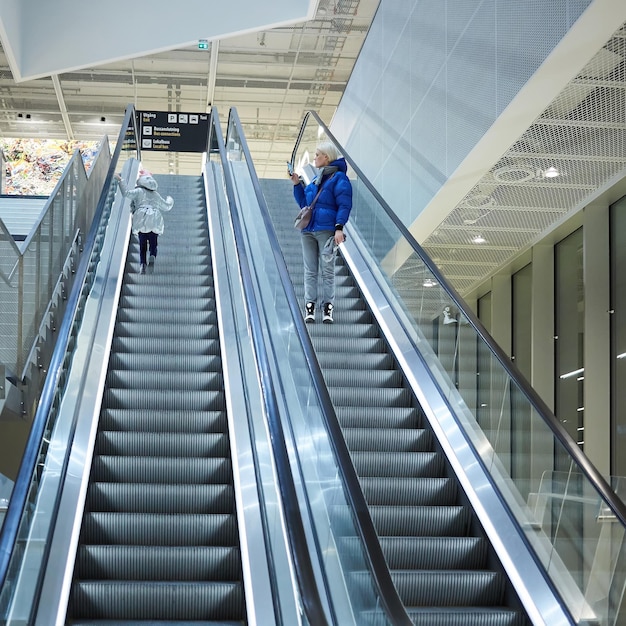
x: 173, y: 132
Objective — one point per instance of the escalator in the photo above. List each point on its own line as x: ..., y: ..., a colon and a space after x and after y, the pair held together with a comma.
x: 440, y: 560
x: 151, y: 490
x: 159, y: 537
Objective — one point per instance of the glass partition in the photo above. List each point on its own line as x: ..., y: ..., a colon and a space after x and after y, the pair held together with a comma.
x: 562, y: 514
x: 346, y: 572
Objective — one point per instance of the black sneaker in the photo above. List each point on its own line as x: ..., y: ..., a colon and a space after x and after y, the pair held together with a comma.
x: 328, y: 313
x: 309, y: 312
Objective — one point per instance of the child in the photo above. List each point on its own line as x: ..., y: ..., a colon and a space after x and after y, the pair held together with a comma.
x: 146, y: 206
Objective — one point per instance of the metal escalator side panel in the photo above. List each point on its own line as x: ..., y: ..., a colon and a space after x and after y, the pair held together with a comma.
x: 79, y: 406
x: 263, y: 550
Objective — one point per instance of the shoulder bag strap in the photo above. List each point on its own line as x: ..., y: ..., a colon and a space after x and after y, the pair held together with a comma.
x: 319, y: 191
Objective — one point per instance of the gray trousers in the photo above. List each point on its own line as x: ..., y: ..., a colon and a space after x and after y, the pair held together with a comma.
x: 312, y: 246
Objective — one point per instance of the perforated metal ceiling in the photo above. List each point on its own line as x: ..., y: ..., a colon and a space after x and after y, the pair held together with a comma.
x: 581, y: 137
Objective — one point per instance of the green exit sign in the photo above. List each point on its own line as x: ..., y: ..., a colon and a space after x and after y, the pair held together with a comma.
x: 203, y: 44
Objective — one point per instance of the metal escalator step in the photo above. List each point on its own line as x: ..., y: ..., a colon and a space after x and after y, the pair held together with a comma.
x: 351, y: 316
x: 151, y: 345
x: 409, y: 491
x: 175, y: 292
x: 107, y: 527
x: 388, y: 440
x: 433, y: 588
x: 376, y: 417
x: 160, y: 315
x: 141, y: 420
x: 160, y: 622
x: 159, y: 399
x: 193, y: 250
x: 420, y: 521
x: 164, y: 275
x: 162, y: 563
x: 172, y: 266
x: 182, y: 445
x: 138, y: 301
x: 166, y: 330
x: 452, y: 616
x: 150, y: 498
x: 346, y: 290
x: 162, y: 362
x: 345, y: 361
x: 189, y: 230
x: 435, y: 553
x: 379, y: 397
x: 141, y: 469
x: 342, y: 292
x: 399, y: 464
x: 450, y: 588
x: 363, y: 378
x: 342, y: 331
x: 159, y: 379
x: 185, y: 601
x: 352, y: 345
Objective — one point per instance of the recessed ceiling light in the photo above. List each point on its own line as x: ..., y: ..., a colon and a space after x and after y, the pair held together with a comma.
x: 429, y: 282
x: 479, y: 239
x: 551, y: 172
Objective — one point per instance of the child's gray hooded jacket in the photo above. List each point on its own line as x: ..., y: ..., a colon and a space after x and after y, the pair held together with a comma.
x: 146, y: 205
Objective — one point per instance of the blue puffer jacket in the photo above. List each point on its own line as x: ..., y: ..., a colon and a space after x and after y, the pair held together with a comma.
x: 335, y: 201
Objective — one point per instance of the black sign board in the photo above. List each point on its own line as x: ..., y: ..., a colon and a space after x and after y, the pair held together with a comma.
x: 167, y: 131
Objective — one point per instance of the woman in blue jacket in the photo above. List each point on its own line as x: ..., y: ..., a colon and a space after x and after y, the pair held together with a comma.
x: 330, y: 214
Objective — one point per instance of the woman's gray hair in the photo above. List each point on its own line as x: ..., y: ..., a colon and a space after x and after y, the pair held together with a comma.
x: 328, y: 148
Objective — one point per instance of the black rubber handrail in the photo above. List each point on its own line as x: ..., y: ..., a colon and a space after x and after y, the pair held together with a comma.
x: 17, y: 502
x: 303, y: 566
x: 391, y: 602
x: 592, y: 474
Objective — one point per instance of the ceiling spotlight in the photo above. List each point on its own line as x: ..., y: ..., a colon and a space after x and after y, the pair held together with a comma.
x: 103, y: 119
x: 551, y: 172
x: 429, y: 282
x: 479, y: 239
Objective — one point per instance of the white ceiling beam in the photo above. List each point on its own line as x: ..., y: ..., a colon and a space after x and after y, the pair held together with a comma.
x: 61, y: 100
x: 215, y: 49
x: 41, y: 41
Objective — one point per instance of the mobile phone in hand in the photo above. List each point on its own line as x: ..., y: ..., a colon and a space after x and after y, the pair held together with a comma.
x: 290, y: 168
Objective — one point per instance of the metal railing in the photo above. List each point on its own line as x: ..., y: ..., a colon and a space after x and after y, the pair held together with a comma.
x: 36, y: 277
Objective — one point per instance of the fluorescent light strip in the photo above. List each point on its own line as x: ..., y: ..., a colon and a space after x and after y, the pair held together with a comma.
x: 574, y: 373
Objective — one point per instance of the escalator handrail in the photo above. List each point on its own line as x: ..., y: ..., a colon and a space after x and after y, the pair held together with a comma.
x: 589, y: 470
x: 17, y: 502
x: 393, y: 605
x: 303, y: 566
